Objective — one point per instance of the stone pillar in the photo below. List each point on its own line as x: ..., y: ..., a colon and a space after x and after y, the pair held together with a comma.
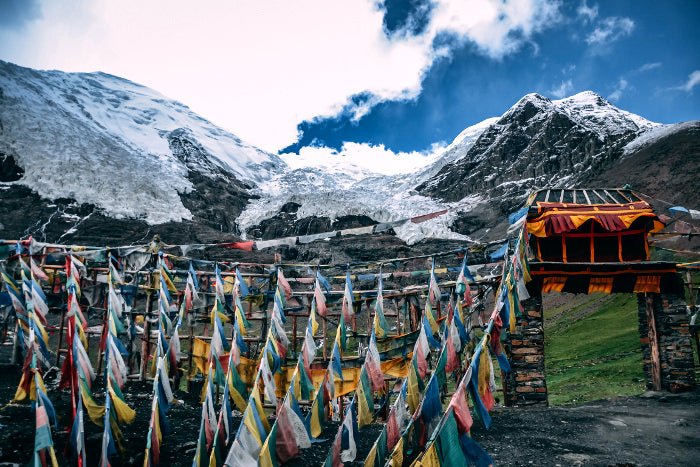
x: 666, y: 343
x: 526, y: 382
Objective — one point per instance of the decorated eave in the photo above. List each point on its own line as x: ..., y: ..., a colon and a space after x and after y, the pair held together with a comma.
x: 554, y: 212
x: 595, y: 240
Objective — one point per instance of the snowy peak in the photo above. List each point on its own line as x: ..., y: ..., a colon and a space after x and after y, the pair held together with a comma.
x: 536, y: 143
x: 103, y: 140
x: 586, y: 108
x: 598, y: 115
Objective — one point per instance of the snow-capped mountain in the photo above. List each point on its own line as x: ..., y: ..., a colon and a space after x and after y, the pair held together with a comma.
x: 484, y: 173
x: 537, y: 143
x: 98, y: 159
x: 103, y: 140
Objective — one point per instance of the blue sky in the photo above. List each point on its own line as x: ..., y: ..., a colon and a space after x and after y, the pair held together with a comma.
x: 369, y: 78
x: 640, y: 59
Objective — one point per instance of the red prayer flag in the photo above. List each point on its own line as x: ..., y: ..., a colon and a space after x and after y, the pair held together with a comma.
x: 246, y: 246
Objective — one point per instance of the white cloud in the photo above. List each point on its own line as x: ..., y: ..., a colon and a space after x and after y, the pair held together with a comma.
x: 587, y: 13
x: 648, y: 67
x: 260, y: 68
x: 610, y: 30
x: 692, y: 81
x: 563, y: 90
x: 359, y: 160
x: 620, y: 86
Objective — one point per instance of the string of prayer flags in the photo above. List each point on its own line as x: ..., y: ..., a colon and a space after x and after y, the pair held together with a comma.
x: 431, y: 318
x: 313, y: 318
x: 207, y: 424
x: 240, y: 284
x: 116, y: 411
x: 288, y: 435
x: 381, y: 328
x: 341, y: 337
x: 283, y: 284
x: 348, y: 306
x: 373, y: 365
x: 253, y: 429
x: 237, y: 389
x: 463, y: 280
x: 45, y: 414
x: 344, y: 448
x: 224, y: 427
x: 434, y: 292
x: 158, y: 423
x: 319, y: 300
x: 191, y: 289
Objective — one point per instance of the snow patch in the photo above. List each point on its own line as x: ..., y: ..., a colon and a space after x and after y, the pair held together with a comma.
x: 655, y: 134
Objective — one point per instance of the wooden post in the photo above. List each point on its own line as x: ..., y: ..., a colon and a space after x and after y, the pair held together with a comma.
x: 15, y: 345
x: 103, y: 338
x: 369, y: 318
x: 60, y: 336
x: 294, y: 334
x: 398, y: 316
x: 190, y: 359
x: 146, y: 343
x: 325, y: 358
x: 653, y: 343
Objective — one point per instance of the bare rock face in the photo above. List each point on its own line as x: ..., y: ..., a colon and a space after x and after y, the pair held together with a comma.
x: 9, y: 170
x: 538, y: 143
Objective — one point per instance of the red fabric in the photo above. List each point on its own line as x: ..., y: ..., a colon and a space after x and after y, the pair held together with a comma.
x: 282, y: 281
x: 286, y: 448
x: 452, y: 359
x: 246, y: 246
x: 336, y: 447
x: 487, y: 398
x: 608, y: 216
x: 460, y: 407
x: 376, y: 377
x: 188, y: 299
x: 155, y: 447
x: 208, y: 430
x: 421, y: 361
x: 496, y: 335
x: 320, y: 302
x: 425, y: 217
x: 392, y: 430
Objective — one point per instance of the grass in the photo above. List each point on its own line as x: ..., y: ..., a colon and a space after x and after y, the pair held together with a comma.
x: 592, y: 349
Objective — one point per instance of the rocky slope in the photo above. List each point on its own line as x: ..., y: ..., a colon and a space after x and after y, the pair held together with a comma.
x: 538, y: 143
x: 95, y: 157
x: 92, y: 158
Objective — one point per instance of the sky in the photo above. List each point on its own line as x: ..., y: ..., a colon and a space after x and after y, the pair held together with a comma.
x: 373, y: 80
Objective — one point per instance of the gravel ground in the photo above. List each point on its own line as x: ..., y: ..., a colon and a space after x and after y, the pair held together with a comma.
x: 652, y: 429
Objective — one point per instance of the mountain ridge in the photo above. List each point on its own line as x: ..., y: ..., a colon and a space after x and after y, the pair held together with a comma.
x: 142, y: 164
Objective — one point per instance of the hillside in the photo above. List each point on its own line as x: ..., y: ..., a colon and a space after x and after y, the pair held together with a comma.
x: 93, y: 158
x: 97, y: 157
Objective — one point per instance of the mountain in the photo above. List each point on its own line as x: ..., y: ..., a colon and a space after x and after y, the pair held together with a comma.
x: 538, y: 143
x: 81, y: 149
x: 93, y: 158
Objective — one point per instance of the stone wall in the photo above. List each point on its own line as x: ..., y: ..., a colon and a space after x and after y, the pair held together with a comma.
x: 526, y: 384
x: 674, y: 345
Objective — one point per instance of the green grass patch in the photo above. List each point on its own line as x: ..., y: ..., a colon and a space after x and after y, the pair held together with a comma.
x: 593, y: 355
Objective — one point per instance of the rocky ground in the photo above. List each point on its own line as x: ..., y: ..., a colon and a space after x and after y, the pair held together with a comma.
x: 652, y: 429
